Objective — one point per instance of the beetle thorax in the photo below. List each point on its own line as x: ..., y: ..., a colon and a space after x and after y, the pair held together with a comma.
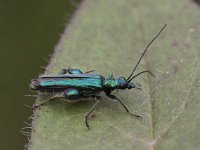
x: 111, y: 84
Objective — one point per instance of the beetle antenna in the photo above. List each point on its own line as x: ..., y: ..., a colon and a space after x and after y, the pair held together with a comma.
x: 128, y: 79
x: 146, y: 71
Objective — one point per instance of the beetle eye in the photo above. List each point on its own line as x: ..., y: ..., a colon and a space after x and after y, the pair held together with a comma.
x: 122, y: 79
x: 122, y: 82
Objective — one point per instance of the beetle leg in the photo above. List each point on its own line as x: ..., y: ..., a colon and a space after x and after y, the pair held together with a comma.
x: 72, y: 94
x: 42, y: 103
x: 64, y: 71
x: 111, y: 76
x: 116, y: 98
x: 90, y: 71
x: 88, y: 114
x: 98, y: 97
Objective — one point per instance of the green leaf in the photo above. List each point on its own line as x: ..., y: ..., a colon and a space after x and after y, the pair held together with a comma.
x: 109, y: 36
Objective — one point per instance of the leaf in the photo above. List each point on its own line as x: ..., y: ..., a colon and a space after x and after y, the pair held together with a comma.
x: 109, y: 36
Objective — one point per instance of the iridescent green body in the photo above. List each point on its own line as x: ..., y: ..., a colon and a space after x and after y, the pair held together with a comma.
x: 82, y: 85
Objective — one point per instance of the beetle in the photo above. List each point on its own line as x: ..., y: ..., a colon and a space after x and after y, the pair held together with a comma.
x: 75, y: 84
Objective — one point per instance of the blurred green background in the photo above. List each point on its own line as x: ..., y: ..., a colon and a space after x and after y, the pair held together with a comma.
x: 29, y: 31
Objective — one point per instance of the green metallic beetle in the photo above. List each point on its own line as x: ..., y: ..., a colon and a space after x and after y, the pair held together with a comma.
x: 75, y: 84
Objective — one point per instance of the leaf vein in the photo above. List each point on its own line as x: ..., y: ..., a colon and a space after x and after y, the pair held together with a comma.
x: 182, y: 108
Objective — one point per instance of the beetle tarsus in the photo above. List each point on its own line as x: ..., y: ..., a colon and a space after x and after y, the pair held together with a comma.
x: 90, y: 71
x: 35, y: 106
x: 88, y: 114
x: 86, y: 123
x: 64, y: 71
x: 136, y: 116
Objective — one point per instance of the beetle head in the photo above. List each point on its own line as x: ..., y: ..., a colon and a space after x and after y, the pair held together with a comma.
x: 124, y: 84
